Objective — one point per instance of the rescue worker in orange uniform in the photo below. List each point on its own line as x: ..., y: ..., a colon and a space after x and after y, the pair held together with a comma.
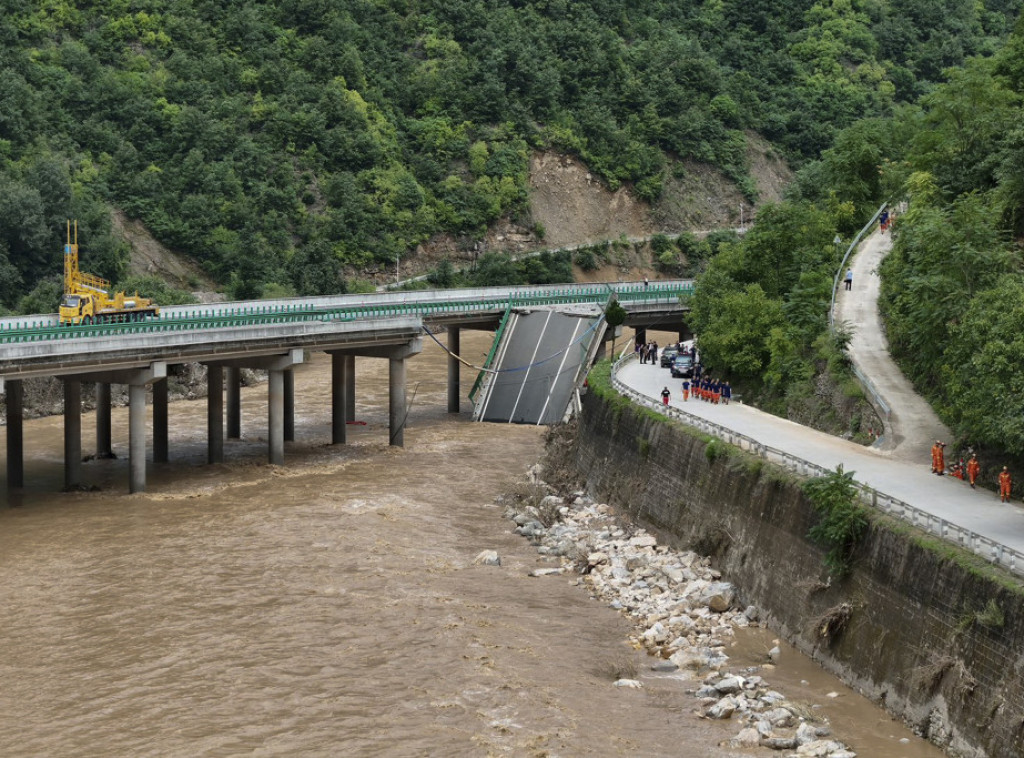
x: 938, y: 458
x: 1004, y: 485
x: 973, y: 467
x: 686, y: 390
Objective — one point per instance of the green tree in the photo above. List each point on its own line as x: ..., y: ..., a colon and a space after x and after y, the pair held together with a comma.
x: 734, y: 335
x: 982, y: 369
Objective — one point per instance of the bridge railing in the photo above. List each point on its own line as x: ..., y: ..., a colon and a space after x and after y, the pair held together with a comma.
x: 989, y: 549
x: 418, y: 303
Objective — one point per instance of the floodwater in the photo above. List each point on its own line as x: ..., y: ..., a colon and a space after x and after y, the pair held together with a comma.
x: 330, y: 606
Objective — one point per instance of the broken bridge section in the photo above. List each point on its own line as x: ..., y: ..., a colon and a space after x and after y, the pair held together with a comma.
x: 539, y: 360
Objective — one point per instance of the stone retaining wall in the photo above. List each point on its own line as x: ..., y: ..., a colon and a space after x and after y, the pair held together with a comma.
x: 938, y: 641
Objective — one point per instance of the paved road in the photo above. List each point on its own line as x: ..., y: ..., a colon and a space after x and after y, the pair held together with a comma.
x: 910, y: 481
x: 913, y: 425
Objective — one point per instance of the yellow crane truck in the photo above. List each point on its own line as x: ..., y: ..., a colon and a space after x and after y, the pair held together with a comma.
x: 87, y: 298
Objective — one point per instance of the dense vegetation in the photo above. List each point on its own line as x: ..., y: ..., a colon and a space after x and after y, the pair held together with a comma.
x: 952, y: 287
x: 279, y: 143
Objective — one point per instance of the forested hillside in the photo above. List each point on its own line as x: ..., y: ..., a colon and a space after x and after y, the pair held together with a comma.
x: 276, y: 142
x: 953, y: 287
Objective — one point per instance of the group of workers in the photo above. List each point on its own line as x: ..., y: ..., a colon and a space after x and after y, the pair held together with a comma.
x: 970, y: 470
x: 707, y: 389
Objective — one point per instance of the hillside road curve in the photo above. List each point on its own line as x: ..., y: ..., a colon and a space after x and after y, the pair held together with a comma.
x: 913, y: 426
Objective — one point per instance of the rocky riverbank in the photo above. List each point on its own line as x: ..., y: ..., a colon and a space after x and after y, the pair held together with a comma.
x: 683, y: 613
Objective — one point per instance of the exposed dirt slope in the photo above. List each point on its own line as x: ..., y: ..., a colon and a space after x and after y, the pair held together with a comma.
x: 150, y: 258
x: 571, y: 204
x: 574, y: 206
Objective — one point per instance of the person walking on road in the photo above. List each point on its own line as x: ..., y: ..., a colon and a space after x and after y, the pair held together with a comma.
x: 665, y: 395
x: 686, y: 390
x: 938, y: 458
x: 973, y: 467
x: 849, y: 279
x: 1004, y: 485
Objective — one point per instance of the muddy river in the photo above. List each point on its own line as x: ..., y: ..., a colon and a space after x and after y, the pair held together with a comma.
x: 331, y: 606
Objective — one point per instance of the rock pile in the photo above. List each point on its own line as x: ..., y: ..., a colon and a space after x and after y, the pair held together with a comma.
x: 683, y: 613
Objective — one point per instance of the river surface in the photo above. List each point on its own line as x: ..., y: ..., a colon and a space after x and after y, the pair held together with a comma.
x: 330, y: 607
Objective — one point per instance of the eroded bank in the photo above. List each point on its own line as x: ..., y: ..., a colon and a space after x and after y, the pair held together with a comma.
x: 925, y: 630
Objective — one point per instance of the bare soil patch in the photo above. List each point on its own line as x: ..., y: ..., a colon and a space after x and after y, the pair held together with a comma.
x: 151, y: 258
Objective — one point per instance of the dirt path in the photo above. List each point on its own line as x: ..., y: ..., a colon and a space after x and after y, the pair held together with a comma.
x: 912, y: 426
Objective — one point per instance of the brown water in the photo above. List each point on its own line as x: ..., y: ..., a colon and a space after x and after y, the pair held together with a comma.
x: 328, y: 607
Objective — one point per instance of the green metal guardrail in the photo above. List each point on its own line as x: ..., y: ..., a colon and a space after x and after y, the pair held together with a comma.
x: 257, y: 315
x: 490, y: 354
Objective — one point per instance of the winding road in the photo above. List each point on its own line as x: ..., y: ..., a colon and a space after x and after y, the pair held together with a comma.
x: 900, y: 467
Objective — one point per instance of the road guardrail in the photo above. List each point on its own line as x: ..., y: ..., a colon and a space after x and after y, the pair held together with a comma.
x: 989, y: 549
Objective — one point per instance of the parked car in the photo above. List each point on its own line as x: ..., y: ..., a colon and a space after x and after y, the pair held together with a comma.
x: 668, y: 354
x: 682, y: 367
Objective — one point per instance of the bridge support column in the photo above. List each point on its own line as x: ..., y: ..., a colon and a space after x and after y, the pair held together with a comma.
x: 275, y: 417
x: 138, y: 381
x: 339, y: 397
x: 234, y: 401
x: 160, y: 427
x: 453, y: 369
x: 72, y: 433
x: 641, y: 337
x: 137, y: 437
x: 289, y: 405
x: 350, y: 387
x: 277, y: 368
x: 215, y: 413
x: 103, y: 446
x: 397, y: 410
x: 15, y: 433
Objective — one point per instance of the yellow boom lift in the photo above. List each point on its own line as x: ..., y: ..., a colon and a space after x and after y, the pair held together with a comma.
x: 87, y: 298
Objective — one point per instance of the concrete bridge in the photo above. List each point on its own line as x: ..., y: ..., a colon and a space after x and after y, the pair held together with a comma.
x: 270, y: 335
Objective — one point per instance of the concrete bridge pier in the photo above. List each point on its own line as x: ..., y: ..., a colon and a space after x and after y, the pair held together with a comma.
x: 276, y: 405
x: 289, y: 405
x: 340, y: 376
x: 453, y: 369
x: 234, y: 402
x: 72, y: 432
x: 160, y: 426
x: 278, y: 409
x: 214, y: 413
x: 104, y: 448
x: 343, y: 387
x: 15, y: 401
x: 138, y: 381
x: 398, y: 407
x: 350, y: 387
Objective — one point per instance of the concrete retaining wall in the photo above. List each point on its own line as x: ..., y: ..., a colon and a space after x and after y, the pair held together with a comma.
x: 924, y: 635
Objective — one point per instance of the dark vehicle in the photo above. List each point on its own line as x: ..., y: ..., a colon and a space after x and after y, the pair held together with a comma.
x: 668, y: 354
x: 682, y: 367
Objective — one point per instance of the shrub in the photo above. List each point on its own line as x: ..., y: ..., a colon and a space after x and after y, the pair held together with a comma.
x: 842, y: 519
